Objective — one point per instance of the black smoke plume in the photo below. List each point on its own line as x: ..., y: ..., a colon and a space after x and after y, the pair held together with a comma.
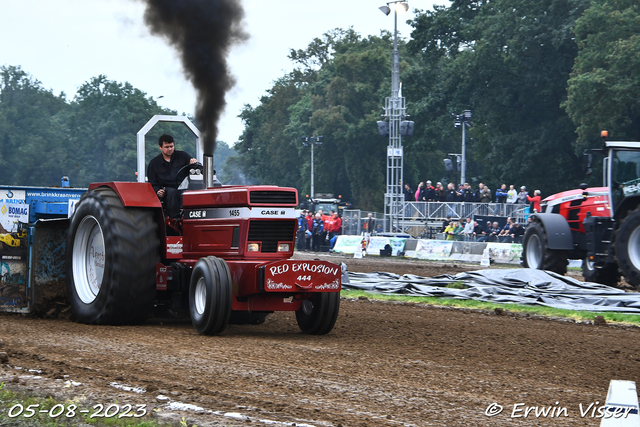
x: 203, y: 32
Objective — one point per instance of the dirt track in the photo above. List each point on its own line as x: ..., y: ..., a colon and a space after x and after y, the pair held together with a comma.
x: 383, y: 364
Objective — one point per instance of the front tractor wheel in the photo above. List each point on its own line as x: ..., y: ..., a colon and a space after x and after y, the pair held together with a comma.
x: 111, y: 258
x: 317, y: 315
x: 627, y: 247
x: 536, y: 253
x: 607, y: 275
x: 210, y: 295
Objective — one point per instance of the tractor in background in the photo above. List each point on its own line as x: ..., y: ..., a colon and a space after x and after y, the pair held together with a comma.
x: 599, y: 225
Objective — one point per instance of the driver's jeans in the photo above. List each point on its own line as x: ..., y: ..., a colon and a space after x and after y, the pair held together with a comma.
x: 172, y: 202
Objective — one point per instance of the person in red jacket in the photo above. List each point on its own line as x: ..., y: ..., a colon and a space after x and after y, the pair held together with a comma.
x: 328, y: 221
x: 336, y: 226
x: 310, y: 228
x: 535, y: 200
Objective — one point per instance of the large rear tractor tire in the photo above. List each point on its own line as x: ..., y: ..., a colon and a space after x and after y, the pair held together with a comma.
x: 536, y: 253
x: 627, y: 247
x: 317, y: 315
x: 210, y: 295
x: 111, y: 258
x: 607, y: 275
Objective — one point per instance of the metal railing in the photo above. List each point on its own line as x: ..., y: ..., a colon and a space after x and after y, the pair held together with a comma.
x: 424, y: 219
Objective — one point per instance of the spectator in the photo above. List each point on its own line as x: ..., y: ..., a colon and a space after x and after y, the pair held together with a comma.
x: 453, y: 229
x: 515, y: 234
x: 467, y: 231
x: 441, y: 193
x: 478, y: 231
x: 501, y: 194
x: 310, y: 217
x: 408, y: 193
x: 492, y: 232
x: 467, y: 193
x: 478, y: 193
x: 485, y: 195
x: 420, y: 192
x: 430, y: 192
x: 317, y: 229
x: 336, y: 226
x: 505, y: 230
x: 327, y: 220
x: 451, y: 195
x: 446, y: 223
x: 535, y: 201
x: 352, y: 225
x: 512, y: 194
x: 369, y: 225
x: 522, y: 196
x: 302, y: 231
x: 378, y: 228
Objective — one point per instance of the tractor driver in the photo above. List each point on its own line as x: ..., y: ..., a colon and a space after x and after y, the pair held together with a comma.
x: 162, y: 173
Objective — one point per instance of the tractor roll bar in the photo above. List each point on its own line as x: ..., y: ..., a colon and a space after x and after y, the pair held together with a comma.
x: 207, y: 162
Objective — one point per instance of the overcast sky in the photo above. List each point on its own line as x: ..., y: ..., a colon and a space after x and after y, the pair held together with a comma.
x: 64, y: 43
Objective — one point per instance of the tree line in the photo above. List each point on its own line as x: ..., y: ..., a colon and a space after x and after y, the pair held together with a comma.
x: 541, y: 79
x: 91, y: 138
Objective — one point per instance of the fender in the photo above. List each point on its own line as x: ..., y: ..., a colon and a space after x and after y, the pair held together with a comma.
x: 133, y: 194
x: 557, y: 228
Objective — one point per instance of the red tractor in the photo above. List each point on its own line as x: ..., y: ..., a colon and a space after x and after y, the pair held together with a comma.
x: 600, y: 226
x: 226, y: 259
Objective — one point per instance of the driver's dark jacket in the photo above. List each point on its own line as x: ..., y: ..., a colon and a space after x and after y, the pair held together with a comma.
x: 161, y: 173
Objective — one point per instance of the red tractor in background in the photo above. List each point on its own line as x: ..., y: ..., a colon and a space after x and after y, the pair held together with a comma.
x: 226, y: 259
x: 600, y: 226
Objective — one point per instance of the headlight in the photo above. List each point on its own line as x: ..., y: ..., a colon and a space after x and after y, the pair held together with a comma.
x: 253, y: 247
x: 283, y: 247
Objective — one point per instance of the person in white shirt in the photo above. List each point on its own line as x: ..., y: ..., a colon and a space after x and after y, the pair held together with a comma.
x: 512, y: 194
x: 468, y: 229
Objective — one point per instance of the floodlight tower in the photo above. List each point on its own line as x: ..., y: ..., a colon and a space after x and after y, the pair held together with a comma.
x: 394, y: 110
x: 464, y: 121
x: 312, y: 140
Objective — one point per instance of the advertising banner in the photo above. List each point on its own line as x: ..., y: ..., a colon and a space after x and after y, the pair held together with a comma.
x: 432, y: 249
x: 347, y: 244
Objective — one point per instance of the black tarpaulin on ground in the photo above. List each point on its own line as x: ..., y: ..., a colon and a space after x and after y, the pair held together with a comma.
x: 521, y: 286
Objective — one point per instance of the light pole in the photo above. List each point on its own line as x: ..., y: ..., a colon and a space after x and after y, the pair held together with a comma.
x: 394, y: 109
x: 463, y: 120
x: 313, y: 140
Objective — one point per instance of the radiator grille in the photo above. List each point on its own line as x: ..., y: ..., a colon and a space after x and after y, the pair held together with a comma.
x: 272, y: 197
x: 269, y: 233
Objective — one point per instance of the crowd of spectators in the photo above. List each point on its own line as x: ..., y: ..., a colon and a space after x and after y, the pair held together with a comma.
x: 317, y: 229
x: 426, y: 192
x: 512, y: 232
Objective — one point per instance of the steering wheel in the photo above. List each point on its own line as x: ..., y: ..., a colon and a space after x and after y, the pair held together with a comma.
x: 185, y: 171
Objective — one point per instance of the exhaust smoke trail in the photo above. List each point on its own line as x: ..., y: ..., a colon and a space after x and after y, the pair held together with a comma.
x: 203, y: 32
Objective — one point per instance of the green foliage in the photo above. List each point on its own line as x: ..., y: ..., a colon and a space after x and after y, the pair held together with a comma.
x: 578, y: 316
x: 90, y: 139
x: 508, y: 61
x: 337, y: 91
x: 34, y: 131
x: 106, y: 117
x: 533, y: 73
x: 604, y: 88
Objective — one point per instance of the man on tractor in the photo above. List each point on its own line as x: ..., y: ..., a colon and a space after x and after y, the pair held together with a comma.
x: 162, y: 173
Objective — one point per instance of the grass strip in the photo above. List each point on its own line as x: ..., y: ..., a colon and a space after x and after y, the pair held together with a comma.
x: 538, y: 310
